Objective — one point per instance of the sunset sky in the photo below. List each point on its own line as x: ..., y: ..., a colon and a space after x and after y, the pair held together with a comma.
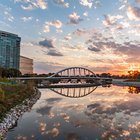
x: 101, y: 35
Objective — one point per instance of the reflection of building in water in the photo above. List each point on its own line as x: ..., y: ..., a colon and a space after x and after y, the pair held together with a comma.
x: 135, y: 90
x: 74, y: 92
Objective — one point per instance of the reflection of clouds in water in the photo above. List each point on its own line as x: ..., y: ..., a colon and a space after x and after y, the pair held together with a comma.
x: 73, y: 136
x: 135, y: 127
x: 21, y: 137
x: 108, y: 117
x: 65, y: 116
x: 56, y: 124
x: 53, y: 100
x: 71, y: 106
x: 129, y: 107
x: 54, y: 132
x: 110, y: 111
x: 44, y: 110
x: 42, y: 128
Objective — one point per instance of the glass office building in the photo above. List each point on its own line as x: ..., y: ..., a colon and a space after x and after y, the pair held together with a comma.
x: 9, y: 50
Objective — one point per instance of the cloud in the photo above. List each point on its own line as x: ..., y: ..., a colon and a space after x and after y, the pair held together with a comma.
x: 6, y: 13
x: 9, y: 17
x: 25, y: 19
x: 68, y: 37
x: 80, y: 32
x: 46, y: 28
x: 42, y: 4
x: 111, y: 20
x: 93, y: 48
x: 138, y: 1
x: 128, y: 49
x: 30, y: 5
x: 135, y: 30
x: 47, y: 43
x: 59, y: 31
x: 85, y: 14
x: 56, y: 23
x: 87, y: 3
x: 61, y: 3
x: 54, y: 53
x: 74, y: 18
x: 133, y: 13
x: 46, y: 67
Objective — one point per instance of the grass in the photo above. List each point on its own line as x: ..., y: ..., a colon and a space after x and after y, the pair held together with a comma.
x: 14, y: 94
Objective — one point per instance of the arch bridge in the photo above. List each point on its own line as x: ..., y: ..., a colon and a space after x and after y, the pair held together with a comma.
x: 74, y: 72
x: 69, y: 75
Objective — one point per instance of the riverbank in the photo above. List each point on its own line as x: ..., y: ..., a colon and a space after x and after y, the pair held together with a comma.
x: 125, y: 82
x: 13, y: 94
x: 11, y: 117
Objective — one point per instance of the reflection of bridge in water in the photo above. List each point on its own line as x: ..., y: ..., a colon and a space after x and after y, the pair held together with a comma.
x: 74, y: 92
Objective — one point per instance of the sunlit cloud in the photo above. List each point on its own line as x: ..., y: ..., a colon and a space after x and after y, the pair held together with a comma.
x: 25, y: 19
x: 133, y: 13
x: 46, y: 28
x: 61, y: 3
x: 74, y: 18
x: 30, y: 5
x: 56, y: 23
x: 85, y: 14
x: 87, y: 3
x: 111, y: 20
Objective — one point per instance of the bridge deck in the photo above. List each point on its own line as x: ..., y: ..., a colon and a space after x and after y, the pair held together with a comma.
x: 68, y: 86
x: 59, y: 78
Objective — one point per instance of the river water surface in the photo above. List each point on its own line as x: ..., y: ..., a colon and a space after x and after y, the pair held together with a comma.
x: 108, y: 113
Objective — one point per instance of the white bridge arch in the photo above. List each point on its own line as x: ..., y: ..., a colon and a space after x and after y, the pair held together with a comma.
x: 74, y: 71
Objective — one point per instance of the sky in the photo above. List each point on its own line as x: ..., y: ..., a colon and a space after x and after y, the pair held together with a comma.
x: 101, y: 35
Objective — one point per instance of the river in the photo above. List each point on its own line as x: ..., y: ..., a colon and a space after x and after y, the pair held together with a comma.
x: 108, y: 113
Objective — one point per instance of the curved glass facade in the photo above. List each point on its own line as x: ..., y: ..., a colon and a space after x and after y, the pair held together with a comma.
x: 9, y: 50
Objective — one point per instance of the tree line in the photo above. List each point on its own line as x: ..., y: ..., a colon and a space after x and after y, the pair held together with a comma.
x: 11, y: 72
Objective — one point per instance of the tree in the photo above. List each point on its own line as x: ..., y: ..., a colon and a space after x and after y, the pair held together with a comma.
x: 134, y: 74
x: 9, y: 72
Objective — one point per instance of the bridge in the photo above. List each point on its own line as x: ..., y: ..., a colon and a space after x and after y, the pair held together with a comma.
x: 75, y: 92
x: 69, y: 75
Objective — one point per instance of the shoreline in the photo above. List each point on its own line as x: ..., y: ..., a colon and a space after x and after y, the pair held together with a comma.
x: 16, y: 112
x: 123, y: 82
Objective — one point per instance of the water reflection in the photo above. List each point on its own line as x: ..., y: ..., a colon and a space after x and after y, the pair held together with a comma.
x: 134, y: 90
x: 74, y: 92
x: 108, y: 114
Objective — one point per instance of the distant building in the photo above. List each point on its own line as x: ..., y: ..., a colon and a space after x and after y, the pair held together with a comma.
x: 26, y: 65
x: 9, y: 50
